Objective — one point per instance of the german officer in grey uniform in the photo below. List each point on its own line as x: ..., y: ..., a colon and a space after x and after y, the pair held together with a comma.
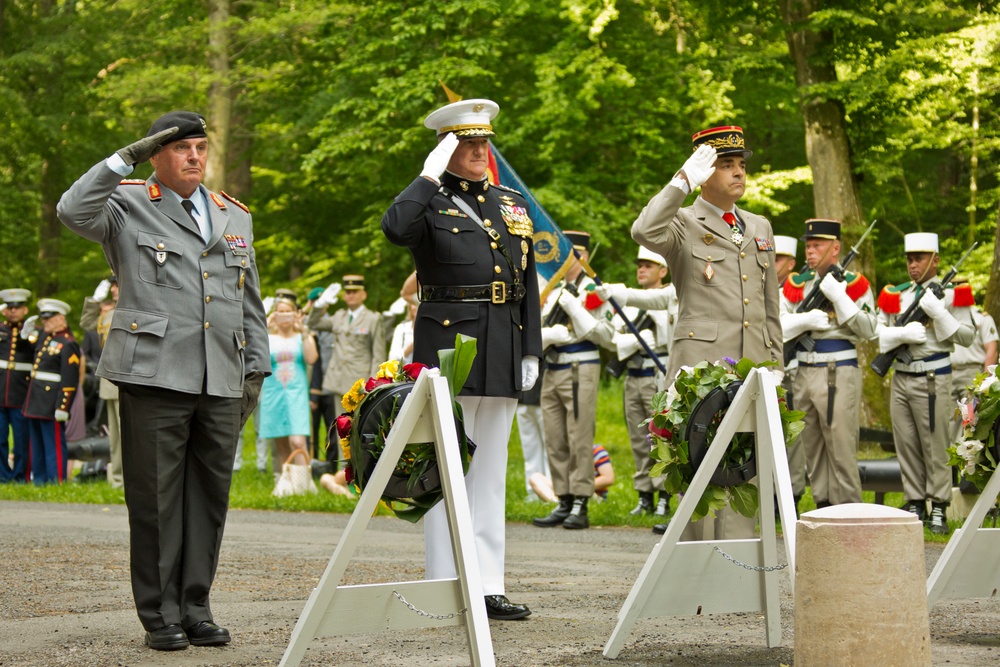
x: 471, y: 243
x: 920, y: 404
x: 188, y: 350
x: 721, y: 260
x: 828, y: 380
x: 15, y: 367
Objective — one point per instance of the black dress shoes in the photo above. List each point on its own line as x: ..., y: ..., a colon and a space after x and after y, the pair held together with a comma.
x: 167, y: 638
x: 206, y: 633
x: 498, y: 607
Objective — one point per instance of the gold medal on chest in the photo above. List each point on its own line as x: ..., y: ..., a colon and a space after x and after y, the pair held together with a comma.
x: 524, y: 246
x: 708, y: 238
x: 506, y: 200
x: 737, y: 237
x: 709, y: 271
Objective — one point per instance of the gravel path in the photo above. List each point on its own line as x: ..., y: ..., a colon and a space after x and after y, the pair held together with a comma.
x: 65, y: 598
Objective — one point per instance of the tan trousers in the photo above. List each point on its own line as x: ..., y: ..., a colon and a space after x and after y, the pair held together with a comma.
x: 831, y: 450
x: 638, y: 397
x: 922, y: 456
x: 568, y: 439
x: 795, y: 453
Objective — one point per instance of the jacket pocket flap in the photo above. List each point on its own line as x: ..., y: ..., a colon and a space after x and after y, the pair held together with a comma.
x: 708, y: 253
x: 139, y: 322
x: 159, y: 243
x: 697, y: 330
x: 237, y: 259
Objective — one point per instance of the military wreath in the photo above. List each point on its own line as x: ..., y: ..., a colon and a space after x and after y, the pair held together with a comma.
x: 372, y: 406
x: 977, y: 453
x: 670, y: 432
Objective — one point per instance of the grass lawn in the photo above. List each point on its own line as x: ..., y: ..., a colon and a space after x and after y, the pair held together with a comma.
x: 251, y: 489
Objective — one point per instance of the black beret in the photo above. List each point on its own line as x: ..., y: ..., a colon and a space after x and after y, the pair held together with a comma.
x: 189, y: 125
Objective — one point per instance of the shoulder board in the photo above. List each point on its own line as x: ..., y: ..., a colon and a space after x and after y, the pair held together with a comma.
x: 857, y: 285
x: 132, y: 181
x: 591, y: 301
x: 794, y: 288
x: 504, y: 187
x: 235, y: 201
x: 963, y: 296
x: 889, y: 299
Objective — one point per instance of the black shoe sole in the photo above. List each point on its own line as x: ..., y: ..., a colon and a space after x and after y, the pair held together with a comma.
x: 213, y: 641
x: 508, y: 617
x: 176, y: 645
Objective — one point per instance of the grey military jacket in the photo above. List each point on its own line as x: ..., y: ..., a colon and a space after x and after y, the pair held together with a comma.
x: 727, y: 295
x: 358, y: 346
x: 189, y: 314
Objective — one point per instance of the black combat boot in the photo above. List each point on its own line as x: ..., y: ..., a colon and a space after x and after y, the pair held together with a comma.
x: 938, y: 522
x: 578, y: 515
x: 645, y: 505
x: 917, y: 507
x: 558, y: 515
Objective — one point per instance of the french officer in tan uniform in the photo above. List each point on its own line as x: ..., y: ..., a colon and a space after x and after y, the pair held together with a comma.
x: 721, y: 258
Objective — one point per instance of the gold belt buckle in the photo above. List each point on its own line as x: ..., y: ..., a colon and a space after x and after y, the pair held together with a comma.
x: 498, y: 292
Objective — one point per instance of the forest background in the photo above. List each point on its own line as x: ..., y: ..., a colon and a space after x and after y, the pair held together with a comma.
x: 856, y: 110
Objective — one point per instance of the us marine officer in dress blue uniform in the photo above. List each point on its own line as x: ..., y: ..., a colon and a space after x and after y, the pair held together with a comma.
x: 828, y: 380
x: 55, y: 376
x: 16, y: 358
x: 471, y: 242
x: 188, y: 350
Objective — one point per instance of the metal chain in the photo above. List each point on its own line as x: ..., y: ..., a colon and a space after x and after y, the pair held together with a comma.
x: 421, y: 612
x: 755, y: 568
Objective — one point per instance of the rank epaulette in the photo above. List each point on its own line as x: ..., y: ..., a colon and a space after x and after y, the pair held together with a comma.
x: 794, y: 288
x: 131, y: 181
x: 591, y: 301
x: 963, y: 296
x: 504, y: 187
x: 857, y: 285
x: 235, y: 201
x: 890, y: 299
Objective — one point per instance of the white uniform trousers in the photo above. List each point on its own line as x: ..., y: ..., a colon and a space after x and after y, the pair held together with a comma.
x: 531, y: 430
x: 488, y: 421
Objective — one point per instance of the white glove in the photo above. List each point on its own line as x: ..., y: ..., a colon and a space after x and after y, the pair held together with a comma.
x: 890, y: 338
x: 794, y: 325
x: 627, y: 344
x: 29, y: 327
x: 836, y: 291
x: 328, y: 297
x: 102, y: 291
x: 62, y: 416
x: 583, y: 322
x: 398, y: 307
x: 932, y: 305
x: 529, y: 372
x: 268, y: 304
x: 438, y: 159
x: 700, y: 166
x: 616, y: 291
x: 557, y: 334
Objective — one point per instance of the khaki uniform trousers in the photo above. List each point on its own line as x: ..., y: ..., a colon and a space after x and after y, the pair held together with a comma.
x: 569, y: 440
x: 795, y: 452
x: 831, y: 450
x: 923, y: 458
x: 638, y: 397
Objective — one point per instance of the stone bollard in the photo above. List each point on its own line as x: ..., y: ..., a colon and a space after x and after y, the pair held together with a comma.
x: 860, y: 588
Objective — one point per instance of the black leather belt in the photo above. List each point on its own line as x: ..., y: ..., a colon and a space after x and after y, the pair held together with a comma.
x: 495, y: 292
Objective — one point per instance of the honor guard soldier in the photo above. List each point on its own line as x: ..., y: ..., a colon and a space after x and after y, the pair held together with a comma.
x: 471, y: 243
x: 55, y: 376
x: 921, y: 405
x: 785, y: 253
x: 16, y: 357
x: 721, y: 260
x: 655, y: 325
x: 576, y: 321
x: 828, y: 380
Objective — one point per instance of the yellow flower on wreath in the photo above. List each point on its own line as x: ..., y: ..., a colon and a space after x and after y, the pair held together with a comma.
x: 352, y: 399
x: 345, y: 445
x: 388, y: 369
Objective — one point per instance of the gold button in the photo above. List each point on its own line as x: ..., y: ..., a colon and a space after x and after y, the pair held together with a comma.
x: 159, y: 246
x: 135, y: 325
x: 244, y: 343
x: 744, y: 277
x: 481, y: 198
x: 244, y: 262
x: 496, y: 269
x: 208, y: 299
x: 709, y: 258
x: 446, y: 322
x: 767, y: 264
x: 48, y: 388
x: 493, y: 245
x: 743, y: 254
x: 487, y: 222
x: 746, y: 300
x: 204, y: 254
x: 205, y: 275
x: 745, y: 324
x: 690, y: 334
x: 206, y: 325
x: 454, y: 230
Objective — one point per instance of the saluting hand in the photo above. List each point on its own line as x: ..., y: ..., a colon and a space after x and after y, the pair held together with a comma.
x: 700, y: 166
x: 142, y: 150
x: 438, y: 160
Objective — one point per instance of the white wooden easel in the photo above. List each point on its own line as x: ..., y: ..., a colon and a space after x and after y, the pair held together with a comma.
x: 691, y: 578
x: 969, y: 567
x: 426, y: 416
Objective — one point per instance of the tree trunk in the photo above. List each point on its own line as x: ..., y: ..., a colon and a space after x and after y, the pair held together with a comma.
x: 219, y: 101
x: 50, y: 233
x: 992, y: 301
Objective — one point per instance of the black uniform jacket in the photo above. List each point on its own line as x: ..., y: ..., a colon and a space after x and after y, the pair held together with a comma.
x: 55, y: 376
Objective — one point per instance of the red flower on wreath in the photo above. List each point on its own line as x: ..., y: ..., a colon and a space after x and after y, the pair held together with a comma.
x: 664, y: 433
x: 343, y: 425
x: 376, y: 382
x: 413, y: 370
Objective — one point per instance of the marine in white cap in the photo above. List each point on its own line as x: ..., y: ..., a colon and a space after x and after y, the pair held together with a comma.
x: 16, y: 357
x: 921, y: 386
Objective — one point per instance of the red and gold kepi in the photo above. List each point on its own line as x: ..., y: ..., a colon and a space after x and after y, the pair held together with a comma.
x: 726, y: 140
x: 822, y: 228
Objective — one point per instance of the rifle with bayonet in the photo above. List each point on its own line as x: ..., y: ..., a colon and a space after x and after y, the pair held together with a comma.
x: 616, y: 366
x: 883, y: 362
x: 816, y: 300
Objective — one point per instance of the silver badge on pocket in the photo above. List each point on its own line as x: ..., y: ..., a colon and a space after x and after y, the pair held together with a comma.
x: 161, y: 257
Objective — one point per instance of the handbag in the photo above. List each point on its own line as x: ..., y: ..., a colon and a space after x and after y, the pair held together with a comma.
x: 296, y: 479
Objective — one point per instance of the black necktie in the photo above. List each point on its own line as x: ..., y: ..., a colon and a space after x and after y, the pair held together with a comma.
x: 189, y: 207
